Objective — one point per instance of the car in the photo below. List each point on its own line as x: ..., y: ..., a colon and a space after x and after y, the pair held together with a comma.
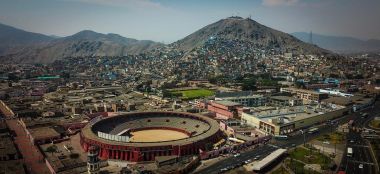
x: 236, y: 155
x: 256, y: 157
x: 293, y: 145
x: 326, y: 142
x: 360, y: 166
x: 247, y: 161
x: 352, y: 141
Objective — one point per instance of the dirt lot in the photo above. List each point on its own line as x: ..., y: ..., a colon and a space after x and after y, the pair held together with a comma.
x: 156, y: 135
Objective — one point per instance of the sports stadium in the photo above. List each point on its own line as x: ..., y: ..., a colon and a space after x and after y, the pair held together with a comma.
x: 141, y: 136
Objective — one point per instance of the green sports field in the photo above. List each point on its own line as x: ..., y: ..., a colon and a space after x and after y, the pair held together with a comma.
x: 194, y: 93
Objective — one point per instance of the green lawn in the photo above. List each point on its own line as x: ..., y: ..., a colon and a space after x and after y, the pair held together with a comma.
x: 376, y: 148
x: 194, y: 93
x: 310, y: 157
x: 375, y: 123
x: 335, y: 137
x: 297, y: 167
x: 280, y: 170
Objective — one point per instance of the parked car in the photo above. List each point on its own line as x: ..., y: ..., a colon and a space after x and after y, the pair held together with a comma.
x: 360, y: 166
x: 224, y: 169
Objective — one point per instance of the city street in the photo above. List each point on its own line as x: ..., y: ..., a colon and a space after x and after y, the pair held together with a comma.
x: 298, y: 139
x: 361, y: 155
x: 361, y: 149
x: 233, y: 161
x: 32, y: 157
x: 327, y: 128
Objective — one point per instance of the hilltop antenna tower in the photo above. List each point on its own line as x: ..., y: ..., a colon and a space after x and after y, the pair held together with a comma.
x: 311, y: 37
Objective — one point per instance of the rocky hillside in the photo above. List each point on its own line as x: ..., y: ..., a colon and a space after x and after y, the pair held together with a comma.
x: 341, y: 44
x: 12, y: 38
x: 247, y: 30
x: 26, y: 47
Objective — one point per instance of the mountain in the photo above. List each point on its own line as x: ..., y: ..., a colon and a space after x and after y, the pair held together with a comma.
x: 247, y: 30
x: 11, y: 38
x: 26, y: 47
x: 341, y: 44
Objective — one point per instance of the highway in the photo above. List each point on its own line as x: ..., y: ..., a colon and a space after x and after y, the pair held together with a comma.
x: 361, y: 149
x: 236, y: 161
x: 327, y: 128
x: 298, y: 139
x: 361, y: 155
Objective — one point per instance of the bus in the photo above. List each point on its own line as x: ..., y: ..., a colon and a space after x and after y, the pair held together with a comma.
x: 235, y: 140
x: 313, y: 130
x: 281, y: 137
x: 371, y: 136
x: 349, y: 152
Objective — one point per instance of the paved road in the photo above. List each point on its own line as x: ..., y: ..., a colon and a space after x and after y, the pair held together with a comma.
x: 360, y: 147
x: 32, y: 157
x: 361, y: 155
x: 297, y: 139
x: 232, y: 161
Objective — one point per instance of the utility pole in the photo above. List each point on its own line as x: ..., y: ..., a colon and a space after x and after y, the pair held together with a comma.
x: 304, y: 139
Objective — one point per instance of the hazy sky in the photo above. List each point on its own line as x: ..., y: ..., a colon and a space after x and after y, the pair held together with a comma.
x: 170, y: 20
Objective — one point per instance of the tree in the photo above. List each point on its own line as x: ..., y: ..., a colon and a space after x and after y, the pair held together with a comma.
x: 52, y: 149
x: 299, y: 84
x: 13, y: 77
x: 65, y: 75
x: 74, y: 155
x: 249, y: 84
x: 166, y: 93
x: 220, y: 80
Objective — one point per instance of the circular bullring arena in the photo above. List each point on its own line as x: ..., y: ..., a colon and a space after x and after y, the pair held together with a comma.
x: 141, y: 136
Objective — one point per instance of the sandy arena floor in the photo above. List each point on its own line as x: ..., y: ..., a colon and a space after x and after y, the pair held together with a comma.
x: 156, y: 135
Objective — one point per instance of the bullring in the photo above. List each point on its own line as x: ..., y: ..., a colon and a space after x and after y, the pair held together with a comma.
x: 141, y: 136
